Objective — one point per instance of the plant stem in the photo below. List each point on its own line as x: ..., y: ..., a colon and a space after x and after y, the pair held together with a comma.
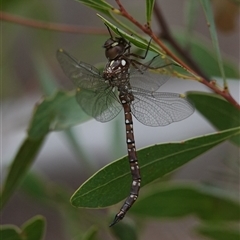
x: 147, y: 29
x: 50, y: 26
x: 166, y: 34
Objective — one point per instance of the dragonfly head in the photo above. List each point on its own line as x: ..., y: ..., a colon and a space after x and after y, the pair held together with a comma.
x: 115, y: 47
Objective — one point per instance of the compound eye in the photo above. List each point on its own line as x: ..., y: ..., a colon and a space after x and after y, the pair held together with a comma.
x: 113, y: 52
x: 108, y: 43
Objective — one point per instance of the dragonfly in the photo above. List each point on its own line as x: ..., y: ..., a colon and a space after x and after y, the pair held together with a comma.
x: 127, y: 84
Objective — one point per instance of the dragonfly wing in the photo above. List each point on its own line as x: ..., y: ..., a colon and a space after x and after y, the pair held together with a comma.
x: 151, y: 75
x: 100, y: 103
x: 83, y: 75
x: 148, y: 80
x: 160, y: 109
x: 94, y: 95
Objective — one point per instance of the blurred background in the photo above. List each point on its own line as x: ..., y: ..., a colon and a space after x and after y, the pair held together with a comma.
x: 28, y: 63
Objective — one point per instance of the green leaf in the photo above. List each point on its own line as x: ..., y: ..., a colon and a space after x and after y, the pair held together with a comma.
x: 57, y: 112
x: 99, y: 5
x: 125, y: 230
x: 219, y: 232
x: 36, y: 187
x: 91, y: 234
x: 19, y: 167
x: 111, y: 184
x: 142, y: 43
x: 178, y: 200
x: 210, y: 21
x: 10, y: 232
x: 190, y: 11
x: 45, y: 76
x: 205, y: 57
x: 149, y: 10
x: 34, y: 228
x: 137, y: 41
x: 218, y: 112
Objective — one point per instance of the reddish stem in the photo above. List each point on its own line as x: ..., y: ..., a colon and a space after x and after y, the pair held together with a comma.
x: 166, y: 34
x: 50, y: 26
x: 146, y: 29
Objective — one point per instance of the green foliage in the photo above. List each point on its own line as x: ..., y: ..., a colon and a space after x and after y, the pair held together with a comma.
x: 58, y: 110
x: 206, y: 58
x: 158, y: 160
x: 99, y: 5
x: 126, y: 230
x: 220, y: 113
x: 138, y: 41
x: 54, y: 113
x: 178, y: 200
x: 20, y: 166
x: 90, y: 234
x: 34, y: 228
x: 219, y: 232
x: 149, y: 10
x: 212, y: 29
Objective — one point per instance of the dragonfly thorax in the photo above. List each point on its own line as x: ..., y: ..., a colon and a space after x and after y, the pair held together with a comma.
x: 117, y: 71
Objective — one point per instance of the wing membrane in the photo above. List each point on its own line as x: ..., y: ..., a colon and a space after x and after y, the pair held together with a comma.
x: 94, y: 95
x: 159, y: 109
x: 101, y: 104
x: 151, y: 79
x: 83, y: 75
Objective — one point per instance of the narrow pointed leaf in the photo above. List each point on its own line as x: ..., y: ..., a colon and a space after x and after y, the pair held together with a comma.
x: 111, y: 184
x: 179, y: 200
x: 57, y: 112
x: 137, y: 41
x: 19, y: 167
x: 149, y: 10
x: 219, y: 112
x: 10, y: 232
x: 190, y: 11
x: 219, y: 232
x: 34, y: 228
x: 206, y: 57
x: 91, y: 234
x: 125, y: 230
x: 99, y: 5
x: 211, y: 24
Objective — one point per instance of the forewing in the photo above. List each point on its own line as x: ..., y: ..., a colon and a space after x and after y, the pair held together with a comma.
x: 83, y: 75
x: 94, y: 95
x: 152, y: 74
x: 159, y: 109
x: 100, y: 103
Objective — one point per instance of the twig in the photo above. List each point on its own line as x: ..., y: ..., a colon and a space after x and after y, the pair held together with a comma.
x: 166, y: 34
x: 50, y: 26
x: 146, y: 29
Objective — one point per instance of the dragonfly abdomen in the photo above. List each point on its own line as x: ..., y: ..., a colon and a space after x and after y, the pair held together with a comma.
x: 133, y: 161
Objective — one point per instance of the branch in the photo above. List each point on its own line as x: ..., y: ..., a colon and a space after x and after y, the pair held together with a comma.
x: 146, y: 29
x: 166, y: 34
x: 49, y: 26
